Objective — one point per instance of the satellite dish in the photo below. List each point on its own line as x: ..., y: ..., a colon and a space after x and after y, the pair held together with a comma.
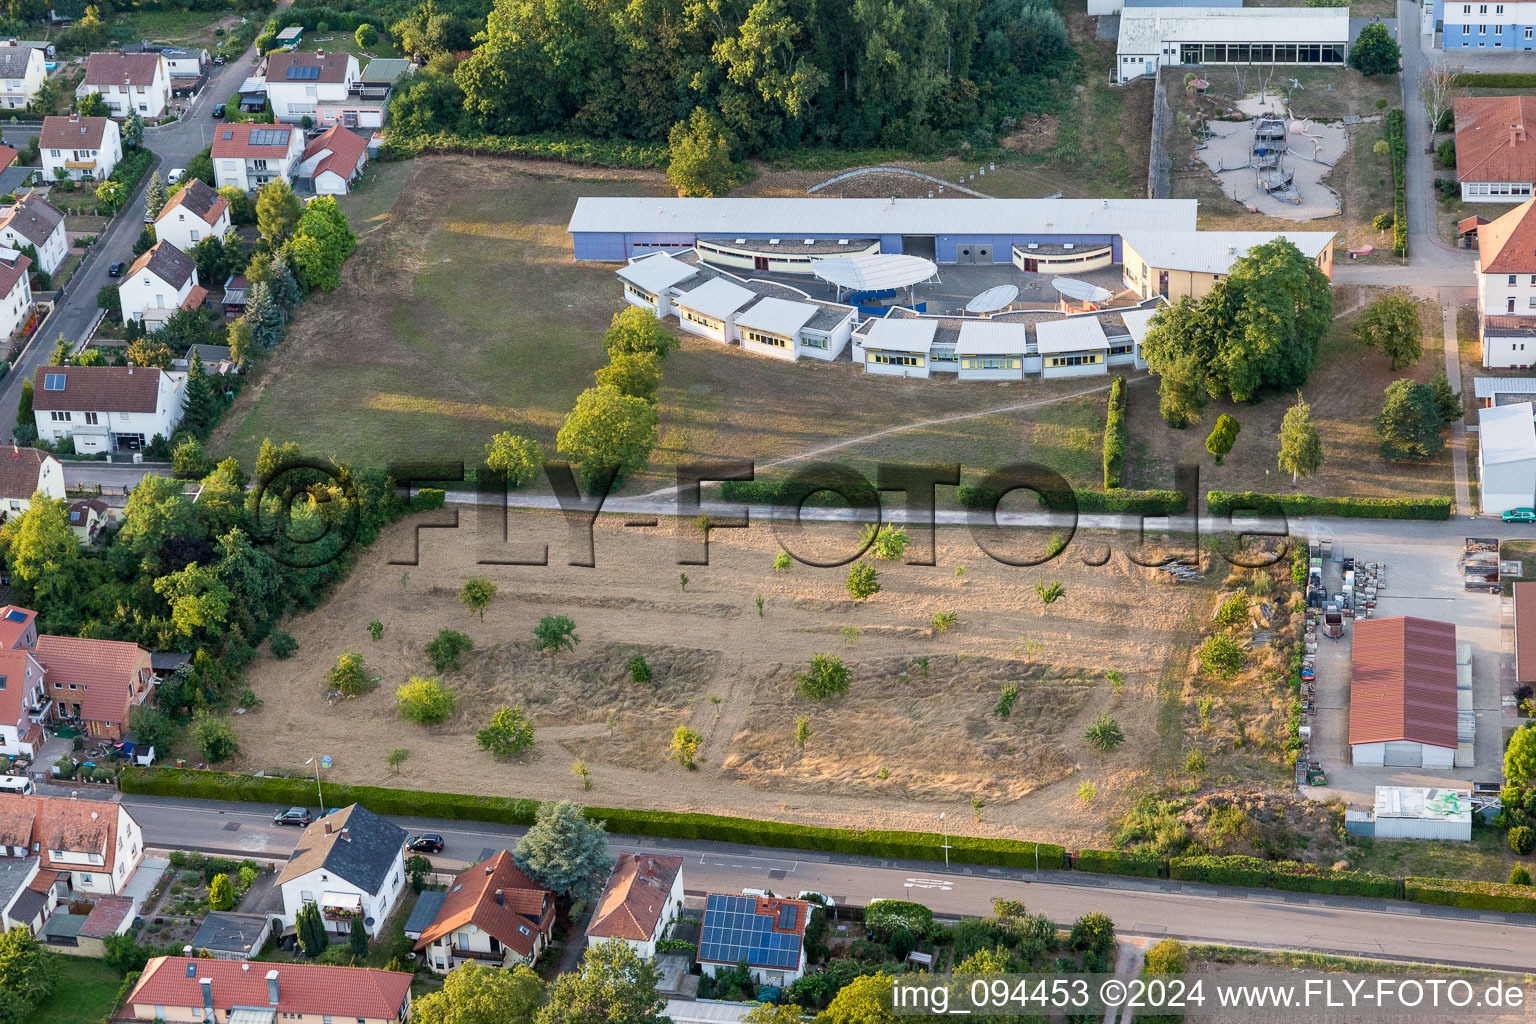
x: 993, y: 299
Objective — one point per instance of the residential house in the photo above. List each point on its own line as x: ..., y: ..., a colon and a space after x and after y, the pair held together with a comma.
x: 111, y: 915
x: 1509, y: 26
x: 1402, y: 694
x: 188, y: 69
x: 90, y: 848
x: 27, y: 894
x: 95, y: 684
x: 194, y: 213
x: 175, y: 988
x: 21, y: 74
x: 248, y: 155
x: 1506, y: 288
x: 26, y: 472
x: 367, y: 102
x: 84, y: 148
x: 492, y: 914
x: 765, y: 933
x: 107, y: 408
x: 351, y: 863
x: 787, y: 329
x: 643, y: 897
x: 24, y: 705
x: 1506, y: 457
x: 15, y: 292
x: 35, y: 221
x: 86, y: 518
x: 333, y: 161
x: 313, y: 85
x: 129, y: 83
x: 160, y: 283
x: 1495, y: 151
x: 231, y: 936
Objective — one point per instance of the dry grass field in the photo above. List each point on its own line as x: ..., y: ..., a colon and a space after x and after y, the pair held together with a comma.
x: 915, y: 734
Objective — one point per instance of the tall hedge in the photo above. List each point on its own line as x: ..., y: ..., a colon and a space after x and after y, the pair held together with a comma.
x: 1151, y: 503
x: 1456, y: 892
x: 1496, y: 80
x: 1397, y: 144
x: 1114, y: 434
x: 548, y: 146
x: 1221, y: 503
x: 1113, y: 862
x: 1290, y: 876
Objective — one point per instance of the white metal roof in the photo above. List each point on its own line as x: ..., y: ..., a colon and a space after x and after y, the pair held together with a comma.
x: 716, y: 298
x: 857, y: 218
x: 778, y: 316
x: 1214, y: 252
x: 901, y: 335
x: 656, y: 273
x: 1144, y: 30
x: 704, y: 1011
x: 1419, y: 802
x: 875, y: 271
x: 1083, y: 291
x: 1072, y: 334
x: 989, y: 337
x: 1137, y: 321
x: 1487, y: 387
x: 1507, y: 433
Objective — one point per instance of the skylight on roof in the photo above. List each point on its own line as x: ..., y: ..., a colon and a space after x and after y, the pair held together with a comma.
x: 16, y: 615
x: 53, y: 382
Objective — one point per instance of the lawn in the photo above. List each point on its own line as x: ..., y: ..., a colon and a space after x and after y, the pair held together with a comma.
x: 175, y: 26
x: 86, y: 992
x: 346, y: 42
x: 369, y: 203
x: 1487, y: 857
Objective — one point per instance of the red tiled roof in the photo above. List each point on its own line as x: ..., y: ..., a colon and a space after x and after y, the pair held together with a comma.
x: 199, y: 200
x: 98, y: 389
x: 1467, y: 224
x: 1496, y: 138
x: 60, y: 823
x: 105, y: 672
x: 12, y: 630
x: 472, y: 899
x: 233, y: 141
x: 19, y: 472
x: 1508, y: 244
x: 73, y: 132
x: 1525, y: 632
x: 106, y: 917
x: 1508, y: 322
x: 333, y: 67
x: 314, y: 989
x: 13, y: 272
x: 7, y: 157
x: 104, y: 69
x: 346, y: 149
x: 195, y: 297
x: 1402, y: 683
x: 635, y: 898
x: 13, y: 698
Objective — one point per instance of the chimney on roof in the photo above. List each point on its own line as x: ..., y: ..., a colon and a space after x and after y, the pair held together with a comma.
x: 327, y: 828
x: 186, y: 950
x: 346, y: 834
x: 501, y: 897
x: 1516, y: 133
x: 207, y: 984
x: 272, y: 987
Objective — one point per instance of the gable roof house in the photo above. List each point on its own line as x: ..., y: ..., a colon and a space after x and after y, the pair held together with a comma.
x: 248, y: 155
x: 107, y: 408
x: 128, y: 83
x: 35, y: 221
x: 312, y: 85
x: 492, y: 913
x: 194, y: 213
x: 333, y: 161
x: 350, y: 863
x: 1402, y: 693
x: 176, y: 988
x: 1495, y: 148
x: 21, y: 74
x: 86, y: 148
x: 643, y: 897
x: 1506, y: 288
x: 23, y: 473
x: 95, y: 684
x: 89, y: 847
x: 158, y: 284
x: 15, y: 291
x: 766, y: 933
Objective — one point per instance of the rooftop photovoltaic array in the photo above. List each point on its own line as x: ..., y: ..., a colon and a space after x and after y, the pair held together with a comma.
x: 734, y: 931
x: 269, y: 137
x: 299, y: 71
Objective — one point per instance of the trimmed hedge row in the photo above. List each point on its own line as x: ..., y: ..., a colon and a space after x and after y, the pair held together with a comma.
x: 1150, y: 503
x: 1290, y: 876
x: 777, y: 492
x: 211, y: 785
x: 1221, y: 503
x: 1496, y: 80
x: 1114, y: 434
x: 546, y: 146
x: 1113, y: 862
x: 1455, y: 892
x: 1397, y: 144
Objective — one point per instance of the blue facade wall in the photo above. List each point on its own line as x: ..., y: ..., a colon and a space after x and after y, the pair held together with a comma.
x: 1002, y: 245
x: 592, y: 245
x: 616, y: 246
x: 1497, y: 37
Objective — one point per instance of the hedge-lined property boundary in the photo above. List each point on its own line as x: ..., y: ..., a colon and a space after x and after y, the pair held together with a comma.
x: 1456, y: 892
x: 1286, y: 875
x: 567, y: 149
x: 1114, y: 434
x: 1113, y: 862
x: 1496, y: 80
x: 1397, y: 144
x: 1221, y: 503
x: 1150, y: 503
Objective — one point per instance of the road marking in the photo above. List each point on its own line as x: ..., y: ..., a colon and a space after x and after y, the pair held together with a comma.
x: 928, y: 883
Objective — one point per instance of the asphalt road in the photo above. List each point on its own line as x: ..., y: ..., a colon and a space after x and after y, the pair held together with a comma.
x: 1376, y: 928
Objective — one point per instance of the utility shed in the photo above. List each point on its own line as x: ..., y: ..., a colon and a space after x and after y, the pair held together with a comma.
x: 1506, y: 456
x: 1402, y: 693
x: 1152, y: 37
x: 1412, y: 812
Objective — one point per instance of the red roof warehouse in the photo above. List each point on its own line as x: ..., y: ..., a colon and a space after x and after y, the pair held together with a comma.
x: 1402, y: 693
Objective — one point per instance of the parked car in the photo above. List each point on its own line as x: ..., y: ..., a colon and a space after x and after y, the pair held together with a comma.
x: 218, y: 60
x: 293, y: 816
x: 116, y: 269
x: 817, y: 897
x: 177, y: 173
x: 218, y: 110
x: 427, y: 842
x: 1520, y: 515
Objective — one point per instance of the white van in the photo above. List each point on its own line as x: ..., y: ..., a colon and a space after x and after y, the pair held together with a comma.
x: 17, y: 784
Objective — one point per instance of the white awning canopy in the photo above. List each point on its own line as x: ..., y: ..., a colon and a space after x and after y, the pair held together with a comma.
x: 875, y: 272
x: 1082, y: 291
x: 993, y: 299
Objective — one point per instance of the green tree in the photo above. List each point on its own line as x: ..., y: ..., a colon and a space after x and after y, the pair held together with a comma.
x: 366, y: 36
x: 1522, y: 839
x: 155, y: 194
x: 150, y: 352
x: 1182, y: 391
x: 1221, y: 655
x: 636, y: 331
x: 555, y: 633
x: 150, y: 728
x: 1301, y: 448
x: 201, y: 408
x: 702, y: 151
x: 395, y: 758
x: 639, y: 669
x: 448, y: 648
x: 201, y: 167
x: 221, y: 894
x: 826, y: 677
x: 565, y: 851
x: 357, y: 938
x: 1447, y: 401
x: 478, y: 993
x: 277, y: 212
x: 863, y: 581
x: 1104, y: 734
x: 92, y: 105
x: 112, y: 195
x: 349, y: 676
x: 24, y: 416
x: 133, y: 130
x: 887, y: 542
x: 520, y: 459
x: 1222, y: 437
x: 418, y: 868
x: 864, y: 1000
x: 311, y: 930
x: 376, y: 631
x: 685, y: 746
x: 188, y: 461
x: 242, y: 343
x: 242, y: 208
x: 1375, y: 51
x: 200, y: 602
x: 1391, y: 326
x: 263, y: 316
x: 1409, y: 424
x: 1520, y: 756
x: 609, y: 430
x: 509, y: 734
x: 613, y: 984
x: 44, y: 551
x: 214, y: 737
x: 27, y: 968
x: 1519, y: 875
x: 425, y: 701
x: 477, y: 594
x: 636, y: 374
x: 321, y: 243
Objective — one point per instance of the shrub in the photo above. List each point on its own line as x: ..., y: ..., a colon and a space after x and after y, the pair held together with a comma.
x: 1522, y: 839
x: 1456, y: 892
x: 863, y: 581
x: 826, y: 677
x: 508, y: 735
x: 1113, y: 862
x: 1105, y: 733
x: 885, y: 542
x: 1518, y: 875
x: 1397, y: 139
x: 684, y: 748
x: 214, y: 738
x: 884, y: 917
x: 425, y: 701
x: 447, y: 648
x: 639, y: 669
x: 1114, y: 434
x: 1223, y: 503
x: 282, y: 645
x: 349, y: 676
x: 1221, y: 656
x: 1290, y: 876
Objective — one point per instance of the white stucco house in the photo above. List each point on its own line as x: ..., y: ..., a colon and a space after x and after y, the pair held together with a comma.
x: 765, y: 933
x: 25, y: 472
x: 350, y: 863
x: 21, y: 74
x: 15, y: 291
x: 194, y: 213
x: 492, y: 914
x: 107, y: 408
x: 94, y: 845
x: 1506, y: 288
x: 643, y: 897
x: 129, y: 82
x: 84, y: 148
x: 35, y: 221
x: 248, y: 155
x: 314, y: 85
x: 332, y: 161
x: 158, y: 284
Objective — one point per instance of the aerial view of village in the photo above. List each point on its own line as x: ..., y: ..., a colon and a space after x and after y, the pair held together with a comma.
x: 767, y: 511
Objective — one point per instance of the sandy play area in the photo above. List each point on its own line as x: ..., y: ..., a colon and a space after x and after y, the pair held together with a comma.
x: 1313, y: 149
x: 915, y: 734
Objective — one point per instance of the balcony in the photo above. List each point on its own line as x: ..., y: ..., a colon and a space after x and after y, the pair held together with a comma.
x: 477, y: 954
x: 38, y: 713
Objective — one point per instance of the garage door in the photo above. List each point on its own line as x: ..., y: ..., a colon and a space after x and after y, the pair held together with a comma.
x: 1404, y: 755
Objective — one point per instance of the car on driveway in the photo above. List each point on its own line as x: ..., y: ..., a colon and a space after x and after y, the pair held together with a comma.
x: 293, y: 816
x: 219, y: 60
x: 116, y: 269
x: 177, y: 173
x: 1520, y: 515
x: 218, y: 110
x: 427, y: 842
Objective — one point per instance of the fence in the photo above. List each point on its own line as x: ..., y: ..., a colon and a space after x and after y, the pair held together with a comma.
x: 1159, y: 163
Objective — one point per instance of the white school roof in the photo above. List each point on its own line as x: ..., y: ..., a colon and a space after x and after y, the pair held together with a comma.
x: 656, y: 273
x: 874, y: 271
x: 716, y: 298
x: 1214, y: 252
x: 1074, y: 334
x: 1507, y: 433
x: 1146, y: 29
x: 778, y: 316
x: 901, y: 335
x: 1137, y: 322
x: 1488, y: 387
x: 856, y: 218
x: 991, y: 338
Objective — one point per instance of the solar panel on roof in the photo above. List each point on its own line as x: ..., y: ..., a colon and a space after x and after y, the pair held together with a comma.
x: 269, y: 137
x: 53, y: 382
x: 298, y: 71
x: 16, y: 615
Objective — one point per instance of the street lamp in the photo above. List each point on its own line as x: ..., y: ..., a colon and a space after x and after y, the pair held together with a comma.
x: 321, y: 762
x: 945, y: 836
